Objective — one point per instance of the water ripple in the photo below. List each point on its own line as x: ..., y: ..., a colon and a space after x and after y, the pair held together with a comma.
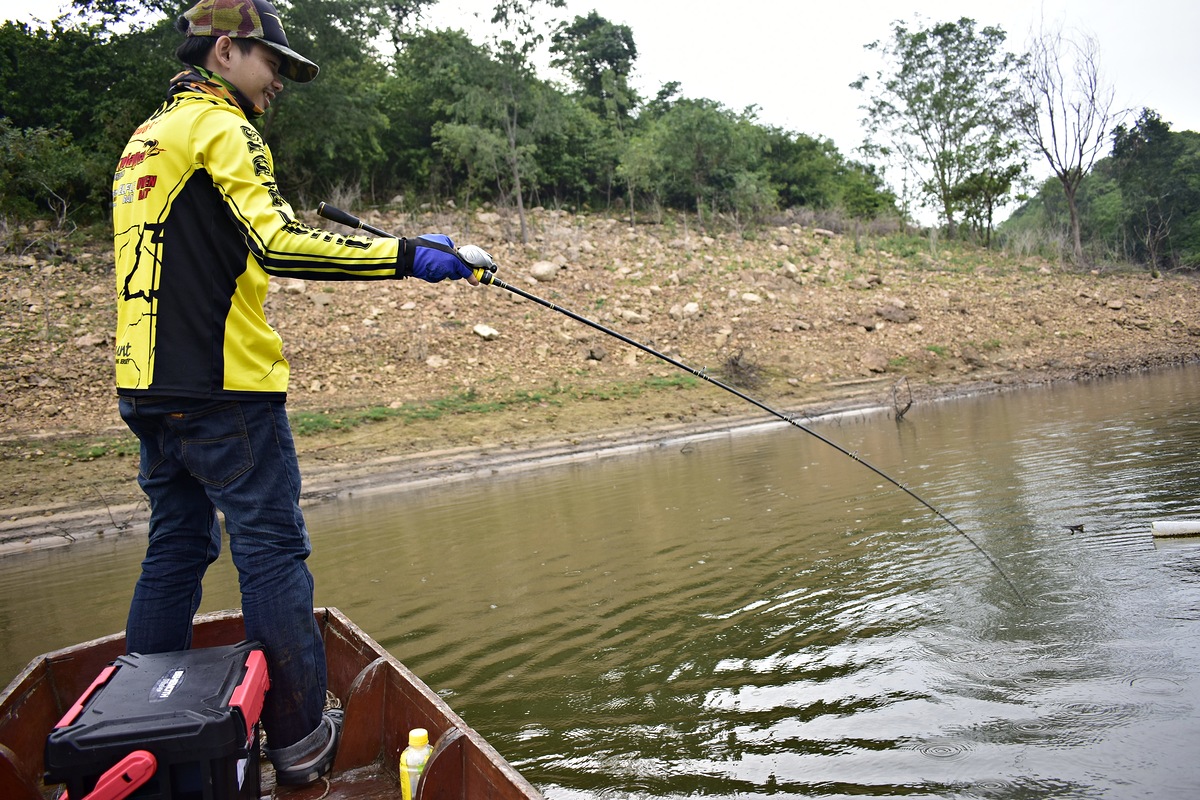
x: 1156, y: 685
x: 945, y: 749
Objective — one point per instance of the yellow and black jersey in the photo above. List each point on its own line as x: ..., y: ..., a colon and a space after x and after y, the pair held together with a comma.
x: 199, y: 224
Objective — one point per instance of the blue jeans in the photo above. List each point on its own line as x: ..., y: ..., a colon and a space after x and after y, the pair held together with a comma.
x: 198, y: 456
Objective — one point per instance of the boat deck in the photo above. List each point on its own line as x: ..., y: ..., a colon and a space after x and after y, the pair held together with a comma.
x: 382, y: 699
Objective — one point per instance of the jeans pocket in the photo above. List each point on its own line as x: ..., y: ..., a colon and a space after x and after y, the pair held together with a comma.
x: 215, y: 445
x: 150, y: 438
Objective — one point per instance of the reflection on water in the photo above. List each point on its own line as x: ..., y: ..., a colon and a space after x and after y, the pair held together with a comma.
x: 753, y: 615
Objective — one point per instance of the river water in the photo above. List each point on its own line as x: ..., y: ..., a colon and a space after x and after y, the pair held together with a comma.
x: 754, y: 614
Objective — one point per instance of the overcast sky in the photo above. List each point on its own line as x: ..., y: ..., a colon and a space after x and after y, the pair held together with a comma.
x: 795, y: 59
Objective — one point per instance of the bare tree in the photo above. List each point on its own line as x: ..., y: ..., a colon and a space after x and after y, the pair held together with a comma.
x: 1066, y: 111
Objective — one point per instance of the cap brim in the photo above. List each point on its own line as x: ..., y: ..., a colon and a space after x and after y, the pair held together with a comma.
x: 295, y: 66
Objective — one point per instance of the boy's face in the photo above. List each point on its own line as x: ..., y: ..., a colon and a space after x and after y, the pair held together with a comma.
x: 255, y: 71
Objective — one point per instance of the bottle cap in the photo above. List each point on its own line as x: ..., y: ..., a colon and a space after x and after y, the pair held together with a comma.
x: 418, y: 737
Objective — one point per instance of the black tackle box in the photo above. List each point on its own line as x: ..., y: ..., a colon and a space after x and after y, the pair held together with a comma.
x: 178, y: 726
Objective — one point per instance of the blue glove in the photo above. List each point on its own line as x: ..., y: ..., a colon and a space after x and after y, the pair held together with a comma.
x: 433, y: 263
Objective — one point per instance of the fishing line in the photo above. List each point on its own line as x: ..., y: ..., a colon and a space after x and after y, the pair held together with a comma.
x: 489, y: 278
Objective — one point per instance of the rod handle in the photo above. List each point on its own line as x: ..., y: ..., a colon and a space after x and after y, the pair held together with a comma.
x: 335, y: 214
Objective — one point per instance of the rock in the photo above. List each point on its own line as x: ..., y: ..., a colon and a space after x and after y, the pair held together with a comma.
x: 685, y: 311
x: 544, y: 271
x: 488, y: 217
x: 972, y: 357
x: 629, y: 315
x: 486, y: 332
x: 866, y: 323
x: 751, y: 297
x: 823, y: 233
x: 90, y: 340
x: 434, y: 362
x: 895, y: 314
x: 874, y: 360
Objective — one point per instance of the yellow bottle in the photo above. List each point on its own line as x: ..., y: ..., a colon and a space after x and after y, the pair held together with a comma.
x: 412, y: 761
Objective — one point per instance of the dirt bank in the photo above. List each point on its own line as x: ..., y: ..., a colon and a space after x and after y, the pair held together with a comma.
x: 401, y: 381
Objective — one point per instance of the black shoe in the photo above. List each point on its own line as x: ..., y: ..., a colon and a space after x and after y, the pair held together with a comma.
x: 316, y: 765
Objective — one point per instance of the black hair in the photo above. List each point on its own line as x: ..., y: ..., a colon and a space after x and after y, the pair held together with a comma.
x: 194, y: 50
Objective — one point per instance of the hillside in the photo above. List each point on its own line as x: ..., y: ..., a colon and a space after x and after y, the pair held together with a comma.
x: 808, y: 319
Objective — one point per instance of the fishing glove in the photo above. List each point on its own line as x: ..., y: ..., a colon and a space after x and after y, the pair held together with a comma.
x: 433, y: 258
x: 479, y: 259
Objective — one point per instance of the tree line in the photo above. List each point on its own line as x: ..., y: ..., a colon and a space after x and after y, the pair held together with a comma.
x: 429, y: 115
x: 407, y: 114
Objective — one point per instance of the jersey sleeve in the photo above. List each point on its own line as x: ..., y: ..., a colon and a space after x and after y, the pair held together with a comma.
x: 242, y: 168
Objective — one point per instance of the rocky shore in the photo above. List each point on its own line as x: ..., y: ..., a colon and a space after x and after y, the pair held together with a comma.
x: 395, y: 382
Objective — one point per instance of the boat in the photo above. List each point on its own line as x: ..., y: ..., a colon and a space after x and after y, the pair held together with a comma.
x: 382, y: 701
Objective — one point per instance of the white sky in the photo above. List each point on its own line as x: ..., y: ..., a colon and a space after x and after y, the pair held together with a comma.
x: 795, y: 59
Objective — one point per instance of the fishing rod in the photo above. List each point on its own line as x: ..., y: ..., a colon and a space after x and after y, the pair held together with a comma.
x: 484, y: 269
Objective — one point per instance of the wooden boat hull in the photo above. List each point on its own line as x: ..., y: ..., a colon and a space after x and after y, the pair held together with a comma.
x: 382, y: 699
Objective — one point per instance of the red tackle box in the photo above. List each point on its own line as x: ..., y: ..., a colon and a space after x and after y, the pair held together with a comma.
x: 165, y: 726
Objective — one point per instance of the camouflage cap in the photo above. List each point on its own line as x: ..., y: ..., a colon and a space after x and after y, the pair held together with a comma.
x: 248, y: 19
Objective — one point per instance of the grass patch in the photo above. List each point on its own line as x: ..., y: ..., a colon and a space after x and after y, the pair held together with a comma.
x: 89, y: 449
x: 309, y: 423
x: 92, y: 449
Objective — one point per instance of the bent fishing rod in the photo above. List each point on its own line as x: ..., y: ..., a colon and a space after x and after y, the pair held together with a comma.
x: 484, y: 269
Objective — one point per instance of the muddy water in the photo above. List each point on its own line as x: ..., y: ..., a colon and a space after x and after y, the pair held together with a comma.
x: 756, y: 614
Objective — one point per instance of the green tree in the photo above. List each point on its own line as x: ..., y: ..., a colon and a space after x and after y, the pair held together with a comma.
x: 429, y: 77
x: 599, y: 56
x: 518, y: 19
x: 982, y: 191
x: 864, y: 194
x: 512, y: 109
x: 699, y: 154
x: 577, y: 156
x: 328, y: 134
x: 942, y: 107
x: 803, y: 169
x: 1157, y: 171
x: 40, y: 169
x: 639, y: 167
x: 811, y: 172
x: 88, y: 84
